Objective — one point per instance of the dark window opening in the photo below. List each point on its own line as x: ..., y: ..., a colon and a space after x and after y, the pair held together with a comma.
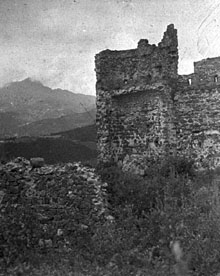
x: 159, y: 68
x: 156, y: 141
x: 149, y: 77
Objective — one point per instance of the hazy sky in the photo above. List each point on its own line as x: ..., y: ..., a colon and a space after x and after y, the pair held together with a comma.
x: 55, y: 41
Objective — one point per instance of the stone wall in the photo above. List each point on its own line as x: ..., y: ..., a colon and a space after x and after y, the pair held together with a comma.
x: 145, y: 109
x: 197, y: 117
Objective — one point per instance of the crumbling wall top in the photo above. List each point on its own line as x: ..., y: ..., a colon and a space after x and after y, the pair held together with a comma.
x: 169, y: 38
x: 144, y: 65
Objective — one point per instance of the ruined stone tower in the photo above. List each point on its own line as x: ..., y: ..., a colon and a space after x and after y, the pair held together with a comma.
x: 144, y: 108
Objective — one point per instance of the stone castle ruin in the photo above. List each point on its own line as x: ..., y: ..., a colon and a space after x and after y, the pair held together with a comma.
x: 145, y: 109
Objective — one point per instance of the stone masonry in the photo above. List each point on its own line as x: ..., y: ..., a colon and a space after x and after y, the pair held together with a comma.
x: 145, y: 109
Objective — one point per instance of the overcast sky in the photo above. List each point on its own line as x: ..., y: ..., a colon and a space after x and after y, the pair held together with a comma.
x: 55, y: 41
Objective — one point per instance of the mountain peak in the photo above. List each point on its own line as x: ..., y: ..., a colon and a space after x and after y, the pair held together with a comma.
x: 28, y: 101
x: 30, y: 81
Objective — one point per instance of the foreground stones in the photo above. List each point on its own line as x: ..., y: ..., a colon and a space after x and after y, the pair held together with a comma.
x: 50, y: 205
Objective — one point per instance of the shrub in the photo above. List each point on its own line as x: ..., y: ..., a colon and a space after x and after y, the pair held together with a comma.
x: 148, y: 192
x: 170, y: 203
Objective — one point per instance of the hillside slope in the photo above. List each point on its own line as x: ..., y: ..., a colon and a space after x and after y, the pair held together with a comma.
x: 52, y: 150
x: 75, y: 145
x: 60, y: 124
x: 83, y: 134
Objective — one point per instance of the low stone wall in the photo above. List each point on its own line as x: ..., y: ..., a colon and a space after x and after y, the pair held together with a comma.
x: 51, y: 206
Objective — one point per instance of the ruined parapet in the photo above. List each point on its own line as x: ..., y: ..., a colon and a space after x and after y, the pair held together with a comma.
x: 208, y: 70
x: 206, y: 75
x: 119, y: 70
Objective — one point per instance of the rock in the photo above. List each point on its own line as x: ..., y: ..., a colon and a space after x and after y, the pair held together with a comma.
x: 37, y: 162
x: 48, y: 243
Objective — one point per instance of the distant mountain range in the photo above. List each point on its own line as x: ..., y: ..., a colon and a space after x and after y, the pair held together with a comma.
x: 28, y: 108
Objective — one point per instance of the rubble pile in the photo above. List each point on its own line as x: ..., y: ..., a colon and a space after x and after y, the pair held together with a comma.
x: 50, y: 206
